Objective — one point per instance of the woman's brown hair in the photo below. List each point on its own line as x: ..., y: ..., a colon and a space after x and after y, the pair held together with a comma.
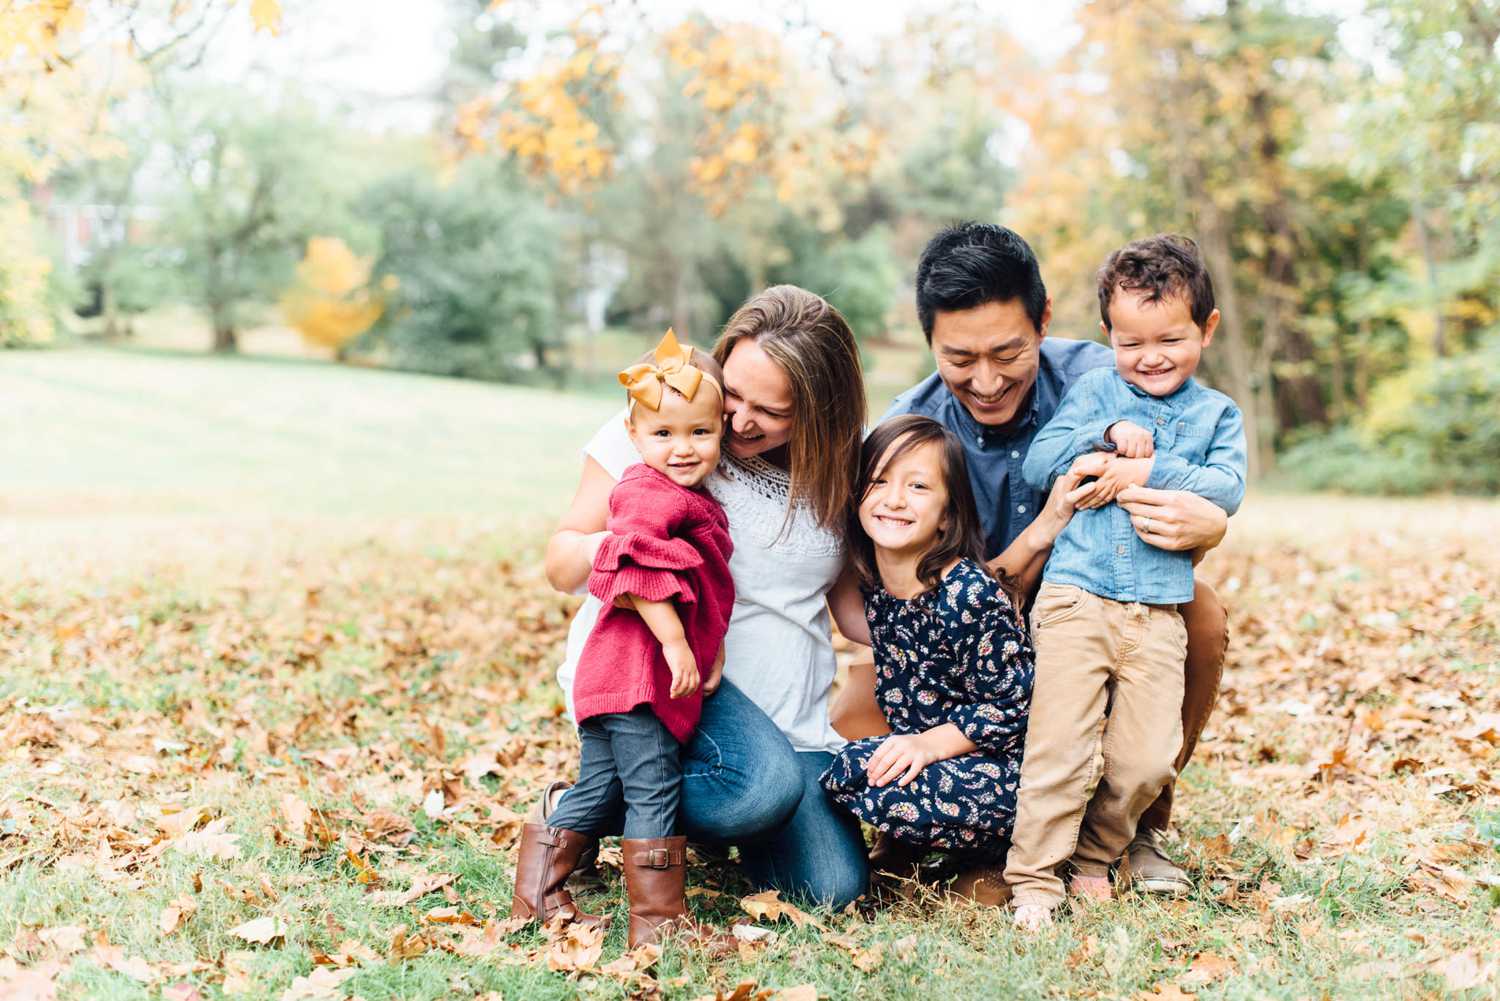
x: 814, y: 346
x: 962, y: 538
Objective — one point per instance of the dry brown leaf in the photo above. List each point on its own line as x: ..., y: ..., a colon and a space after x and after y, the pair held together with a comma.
x: 401, y: 947
x: 134, y: 967
x: 261, y: 931
x: 1465, y: 970
x: 36, y: 983
x: 175, y: 825
x: 322, y: 984
x: 1205, y: 969
x: 211, y: 842
x: 802, y: 992
x: 420, y: 887
x: 576, y: 949
x: 65, y: 939
x: 181, y: 991
x: 175, y: 914
x: 769, y: 905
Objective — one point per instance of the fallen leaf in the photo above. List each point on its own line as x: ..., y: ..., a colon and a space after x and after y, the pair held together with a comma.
x: 401, y: 947
x: 802, y: 992
x: 176, y: 913
x: 322, y: 984
x: 210, y: 842
x: 1205, y: 969
x: 770, y: 905
x: 66, y: 939
x: 576, y: 949
x: 420, y: 887
x: 261, y: 931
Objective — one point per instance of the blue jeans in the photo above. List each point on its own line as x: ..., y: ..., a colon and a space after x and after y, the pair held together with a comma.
x: 742, y: 782
x: 630, y: 760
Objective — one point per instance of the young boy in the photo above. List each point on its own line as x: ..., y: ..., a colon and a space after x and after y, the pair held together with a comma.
x: 1106, y: 717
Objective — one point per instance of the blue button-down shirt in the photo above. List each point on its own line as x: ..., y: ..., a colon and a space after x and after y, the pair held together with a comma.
x: 1198, y: 439
x: 1007, y: 504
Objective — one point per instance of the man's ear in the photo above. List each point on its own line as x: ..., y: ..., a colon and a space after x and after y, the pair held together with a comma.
x: 1046, y: 318
x: 1209, y: 326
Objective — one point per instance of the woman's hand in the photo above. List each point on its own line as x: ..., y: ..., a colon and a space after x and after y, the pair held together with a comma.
x: 683, y: 666
x: 901, y: 758
x: 715, y: 674
x: 1174, y: 519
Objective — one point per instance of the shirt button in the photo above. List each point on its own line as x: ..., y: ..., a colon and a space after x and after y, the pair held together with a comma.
x: 1015, y: 455
x: 1161, y: 420
x: 1021, y: 508
x: 1120, y: 550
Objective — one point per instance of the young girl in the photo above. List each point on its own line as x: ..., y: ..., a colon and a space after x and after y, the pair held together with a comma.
x: 953, y: 662
x: 663, y: 576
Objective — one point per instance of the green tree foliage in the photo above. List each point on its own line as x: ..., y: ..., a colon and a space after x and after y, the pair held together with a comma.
x: 1434, y: 428
x: 249, y: 187
x: 474, y: 266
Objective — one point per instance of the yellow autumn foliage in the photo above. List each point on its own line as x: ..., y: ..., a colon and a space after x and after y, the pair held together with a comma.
x: 331, y: 301
x: 56, y: 103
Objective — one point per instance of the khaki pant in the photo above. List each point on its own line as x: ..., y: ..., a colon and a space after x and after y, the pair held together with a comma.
x: 1105, y: 730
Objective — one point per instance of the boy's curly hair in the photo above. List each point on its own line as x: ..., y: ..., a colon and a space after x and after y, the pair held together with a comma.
x: 1164, y: 265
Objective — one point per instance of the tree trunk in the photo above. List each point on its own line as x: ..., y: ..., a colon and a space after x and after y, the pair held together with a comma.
x: 1434, y: 293
x: 226, y: 339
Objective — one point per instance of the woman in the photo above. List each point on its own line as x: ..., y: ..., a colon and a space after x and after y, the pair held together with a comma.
x: 795, y: 409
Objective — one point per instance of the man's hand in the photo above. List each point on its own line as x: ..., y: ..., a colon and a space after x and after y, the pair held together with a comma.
x: 683, y: 667
x: 1131, y: 440
x: 715, y: 674
x: 900, y: 757
x: 1174, y: 519
x: 1118, y: 474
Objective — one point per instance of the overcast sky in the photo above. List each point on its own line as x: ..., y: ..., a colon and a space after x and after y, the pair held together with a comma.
x: 387, y: 54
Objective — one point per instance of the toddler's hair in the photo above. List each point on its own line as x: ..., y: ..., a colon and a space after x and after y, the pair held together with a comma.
x: 1163, y: 265
x: 964, y: 536
x: 701, y: 360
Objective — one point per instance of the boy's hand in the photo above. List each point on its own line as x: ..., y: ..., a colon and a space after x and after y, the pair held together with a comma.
x: 1131, y: 440
x: 902, y: 758
x: 715, y: 674
x: 683, y: 667
x: 1118, y: 474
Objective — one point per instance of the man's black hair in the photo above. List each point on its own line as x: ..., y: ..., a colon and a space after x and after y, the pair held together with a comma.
x: 975, y: 263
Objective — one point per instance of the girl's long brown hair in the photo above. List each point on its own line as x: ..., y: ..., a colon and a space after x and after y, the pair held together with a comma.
x: 814, y: 346
x: 963, y: 537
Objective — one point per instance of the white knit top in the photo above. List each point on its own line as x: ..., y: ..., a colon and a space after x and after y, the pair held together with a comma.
x: 779, y: 650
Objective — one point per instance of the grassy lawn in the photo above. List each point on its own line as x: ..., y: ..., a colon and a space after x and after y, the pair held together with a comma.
x: 276, y: 692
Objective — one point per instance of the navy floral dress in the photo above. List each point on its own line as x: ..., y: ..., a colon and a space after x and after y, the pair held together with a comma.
x: 954, y: 654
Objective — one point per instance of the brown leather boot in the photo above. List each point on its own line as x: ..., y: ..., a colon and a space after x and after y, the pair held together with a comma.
x: 548, y: 855
x: 655, y: 874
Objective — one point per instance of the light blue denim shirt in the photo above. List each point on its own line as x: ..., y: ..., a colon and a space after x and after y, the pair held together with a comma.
x: 1199, y: 439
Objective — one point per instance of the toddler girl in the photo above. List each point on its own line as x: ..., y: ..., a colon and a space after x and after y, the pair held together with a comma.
x: 953, y: 663
x: 663, y: 576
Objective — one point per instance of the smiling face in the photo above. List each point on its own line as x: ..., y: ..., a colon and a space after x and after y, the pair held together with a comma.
x: 988, y: 357
x: 906, y: 505
x: 681, y: 440
x: 1157, y: 344
x: 757, y: 401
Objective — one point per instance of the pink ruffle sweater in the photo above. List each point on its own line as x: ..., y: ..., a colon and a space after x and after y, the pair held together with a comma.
x: 666, y: 542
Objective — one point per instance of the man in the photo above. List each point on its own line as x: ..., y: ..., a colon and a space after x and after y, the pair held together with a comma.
x: 985, y: 312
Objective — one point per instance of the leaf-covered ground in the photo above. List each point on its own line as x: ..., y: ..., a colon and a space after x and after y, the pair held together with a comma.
x: 275, y: 692
x: 298, y: 772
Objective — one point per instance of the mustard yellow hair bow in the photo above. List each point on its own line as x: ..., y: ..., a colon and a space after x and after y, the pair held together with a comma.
x: 673, y: 368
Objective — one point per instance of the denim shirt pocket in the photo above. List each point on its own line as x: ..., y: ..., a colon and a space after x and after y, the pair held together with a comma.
x: 1192, y: 441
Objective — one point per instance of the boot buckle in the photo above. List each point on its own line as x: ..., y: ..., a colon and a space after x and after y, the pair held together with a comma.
x: 658, y: 858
